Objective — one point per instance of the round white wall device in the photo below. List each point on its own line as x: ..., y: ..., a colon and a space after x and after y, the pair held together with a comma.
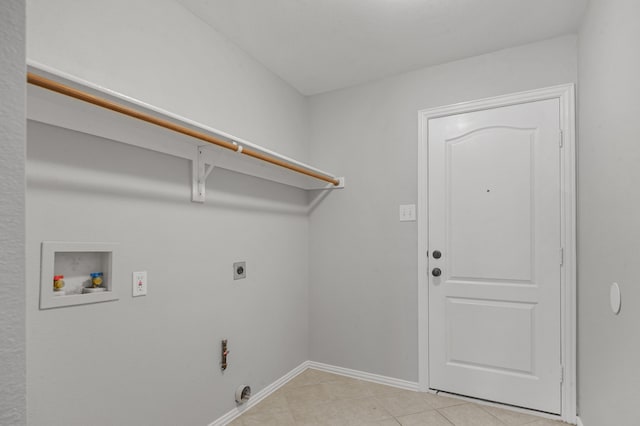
x: 615, y: 298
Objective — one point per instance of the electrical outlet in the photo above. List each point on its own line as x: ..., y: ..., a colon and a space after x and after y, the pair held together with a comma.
x: 139, y: 283
x: 239, y: 270
x: 407, y: 213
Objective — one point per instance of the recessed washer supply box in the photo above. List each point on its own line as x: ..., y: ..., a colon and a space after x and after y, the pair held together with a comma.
x: 76, y: 261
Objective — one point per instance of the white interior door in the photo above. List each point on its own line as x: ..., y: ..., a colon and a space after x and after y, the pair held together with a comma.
x: 494, y: 216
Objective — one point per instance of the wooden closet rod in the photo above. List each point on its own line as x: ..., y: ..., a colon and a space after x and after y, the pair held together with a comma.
x: 63, y: 89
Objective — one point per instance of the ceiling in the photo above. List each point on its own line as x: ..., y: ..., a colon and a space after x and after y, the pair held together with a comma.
x: 322, y: 45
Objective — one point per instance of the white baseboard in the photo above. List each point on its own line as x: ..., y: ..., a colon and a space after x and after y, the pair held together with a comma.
x: 355, y: 374
x: 259, y: 396
x: 361, y: 375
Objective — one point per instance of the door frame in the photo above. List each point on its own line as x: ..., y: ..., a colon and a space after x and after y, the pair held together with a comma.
x: 566, y: 95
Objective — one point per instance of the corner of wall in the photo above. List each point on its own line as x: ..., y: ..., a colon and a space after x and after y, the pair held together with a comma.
x: 12, y: 214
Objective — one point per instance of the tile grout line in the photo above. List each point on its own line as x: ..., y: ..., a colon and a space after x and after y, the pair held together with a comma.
x: 445, y: 417
x: 494, y: 416
x: 528, y: 422
x: 329, y: 381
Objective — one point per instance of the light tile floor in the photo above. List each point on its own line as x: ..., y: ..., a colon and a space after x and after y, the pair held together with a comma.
x: 318, y: 398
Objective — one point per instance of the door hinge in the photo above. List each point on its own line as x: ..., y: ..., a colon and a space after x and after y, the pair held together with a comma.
x: 561, y: 374
x: 561, y: 138
x: 561, y: 256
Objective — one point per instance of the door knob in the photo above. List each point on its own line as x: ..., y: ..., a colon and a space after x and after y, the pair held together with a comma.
x: 436, y: 272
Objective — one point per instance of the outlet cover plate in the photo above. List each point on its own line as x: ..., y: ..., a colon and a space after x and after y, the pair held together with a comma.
x: 139, y: 283
x: 239, y: 270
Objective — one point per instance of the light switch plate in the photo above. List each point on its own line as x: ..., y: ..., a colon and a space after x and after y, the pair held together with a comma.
x: 407, y: 212
x: 139, y: 283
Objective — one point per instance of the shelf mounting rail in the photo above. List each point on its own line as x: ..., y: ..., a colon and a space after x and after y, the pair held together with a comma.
x: 63, y: 89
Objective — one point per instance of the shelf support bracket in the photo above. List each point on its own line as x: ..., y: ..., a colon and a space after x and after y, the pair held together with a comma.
x: 202, y: 166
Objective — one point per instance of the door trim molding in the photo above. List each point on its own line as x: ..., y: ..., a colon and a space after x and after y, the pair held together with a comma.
x: 566, y: 95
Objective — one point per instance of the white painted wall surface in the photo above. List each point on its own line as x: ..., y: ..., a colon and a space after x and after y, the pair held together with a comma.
x: 363, y: 276
x: 158, y: 52
x: 608, y: 213
x: 155, y: 359
x: 12, y: 211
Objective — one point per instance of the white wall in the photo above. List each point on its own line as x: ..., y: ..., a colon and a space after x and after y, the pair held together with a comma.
x: 158, y: 52
x: 12, y: 209
x: 363, y: 276
x: 155, y: 359
x: 608, y: 213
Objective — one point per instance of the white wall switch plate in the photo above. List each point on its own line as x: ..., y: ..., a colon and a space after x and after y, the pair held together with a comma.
x: 140, y: 283
x: 407, y: 212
